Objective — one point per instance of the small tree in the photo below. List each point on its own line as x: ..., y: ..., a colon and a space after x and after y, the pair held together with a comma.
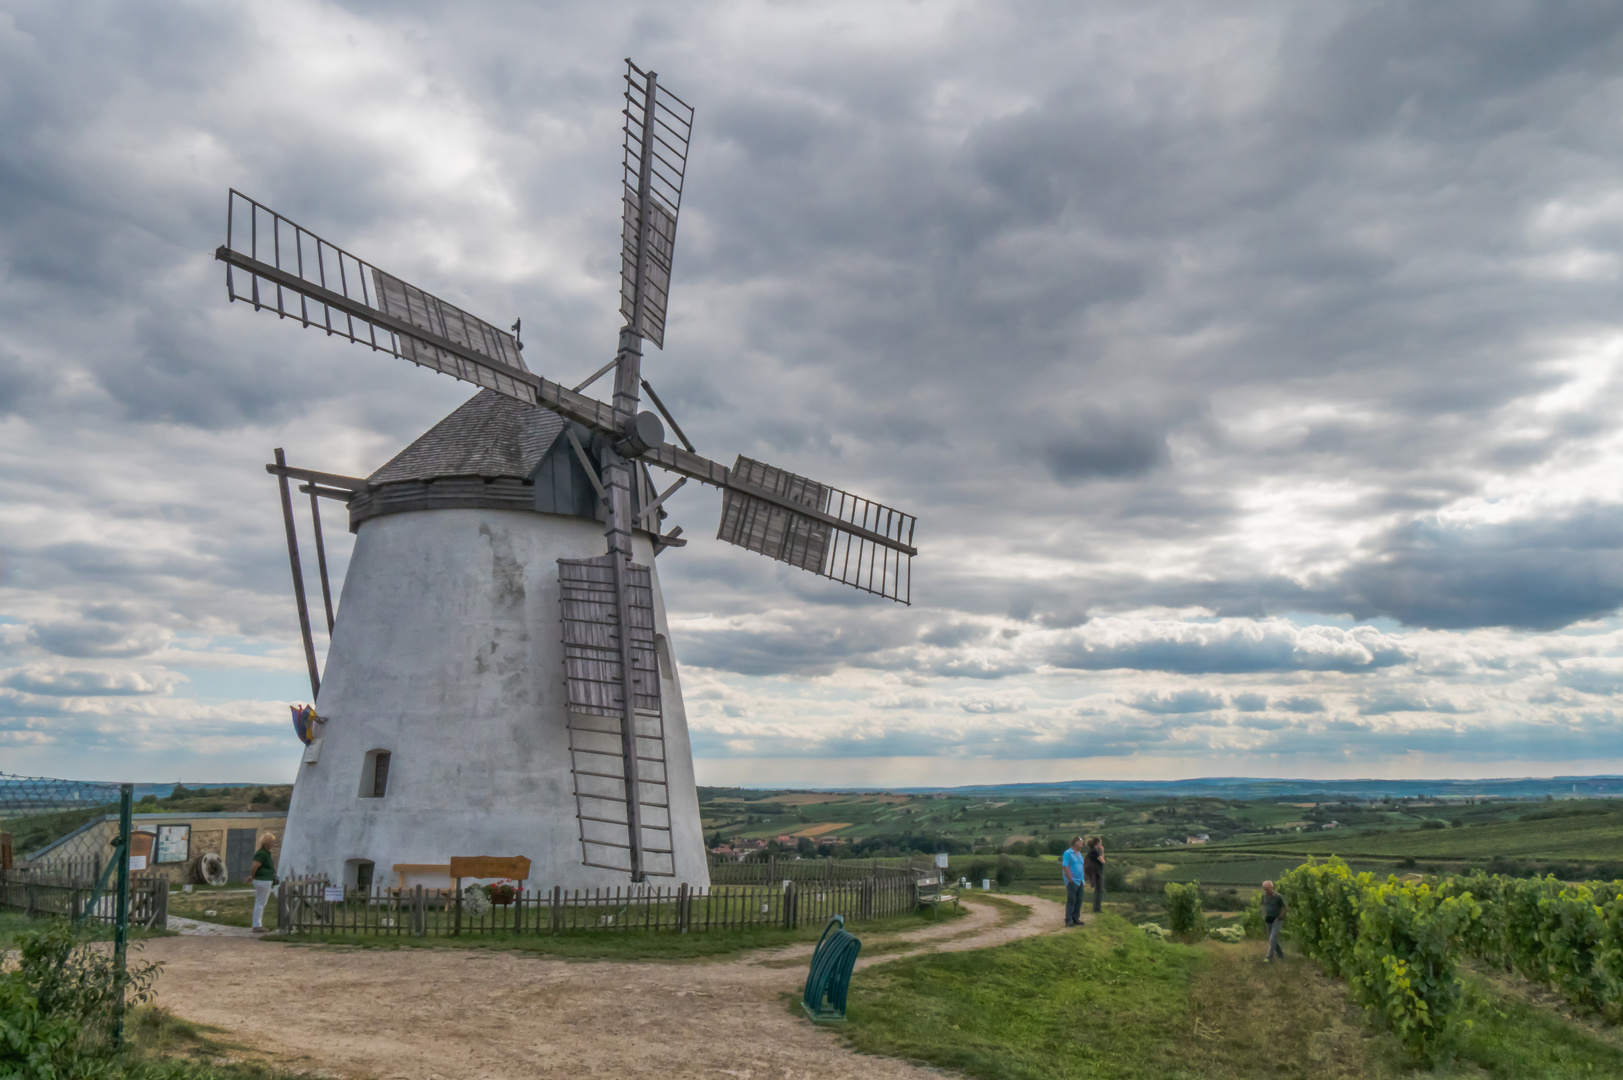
x: 1184, y: 914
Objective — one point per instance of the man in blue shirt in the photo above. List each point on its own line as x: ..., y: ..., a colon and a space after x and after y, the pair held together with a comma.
x: 1072, y: 864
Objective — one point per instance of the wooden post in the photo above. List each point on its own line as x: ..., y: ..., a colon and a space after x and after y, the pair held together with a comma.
x: 681, y: 908
x: 456, y: 926
x: 321, y: 557
x: 298, y: 578
x: 419, y: 925
x: 6, y: 859
x: 557, y: 913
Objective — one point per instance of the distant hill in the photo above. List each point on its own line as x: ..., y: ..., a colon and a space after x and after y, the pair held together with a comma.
x: 1262, y: 788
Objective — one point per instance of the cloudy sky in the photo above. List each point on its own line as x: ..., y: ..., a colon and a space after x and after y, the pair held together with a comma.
x: 1252, y: 368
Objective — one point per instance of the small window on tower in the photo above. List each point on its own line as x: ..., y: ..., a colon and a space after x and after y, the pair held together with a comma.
x: 662, y: 655
x: 375, y: 774
x: 358, y: 874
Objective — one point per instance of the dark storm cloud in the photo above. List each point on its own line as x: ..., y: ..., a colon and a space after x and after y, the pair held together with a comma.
x: 1104, y: 445
x: 1533, y: 575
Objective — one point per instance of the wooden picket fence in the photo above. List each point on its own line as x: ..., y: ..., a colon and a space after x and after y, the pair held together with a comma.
x: 65, y: 891
x: 309, y: 905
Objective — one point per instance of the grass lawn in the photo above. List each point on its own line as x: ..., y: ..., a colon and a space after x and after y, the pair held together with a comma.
x: 233, y: 905
x: 1110, y: 1003
x: 661, y: 946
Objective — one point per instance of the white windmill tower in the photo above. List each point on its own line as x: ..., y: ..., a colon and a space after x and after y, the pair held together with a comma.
x: 479, y: 695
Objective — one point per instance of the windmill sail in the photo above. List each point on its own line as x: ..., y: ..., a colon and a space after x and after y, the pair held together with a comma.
x: 658, y: 125
x: 278, y: 265
x: 597, y: 746
x: 853, y: 540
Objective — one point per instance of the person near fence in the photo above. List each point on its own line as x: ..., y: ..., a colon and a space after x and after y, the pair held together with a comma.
x: 263, y: 875
x: 1073, y: 866
x: 1093, y: 865
x: 1273, y: 915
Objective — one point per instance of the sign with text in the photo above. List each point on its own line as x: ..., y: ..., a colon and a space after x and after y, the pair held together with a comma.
x: 174, y: 843
x: 516, y: 867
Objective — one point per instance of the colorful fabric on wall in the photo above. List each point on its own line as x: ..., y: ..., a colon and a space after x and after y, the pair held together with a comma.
x: 304, y: 723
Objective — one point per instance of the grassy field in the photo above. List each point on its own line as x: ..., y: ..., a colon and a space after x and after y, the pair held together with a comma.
x: 232, y: 905
x: 1590, y: 836
x: 1246, y: 842
x: 1109, y: 1002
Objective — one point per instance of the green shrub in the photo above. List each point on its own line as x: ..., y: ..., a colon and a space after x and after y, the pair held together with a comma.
x: 1405, y: 962
x: 1156, y: 930
x: 1184, y: 914
x: 57, y: 1005
x: 1251, y: 919
x: 1233, y: 935
x: 1322, y: 911
x: 1396, y: 943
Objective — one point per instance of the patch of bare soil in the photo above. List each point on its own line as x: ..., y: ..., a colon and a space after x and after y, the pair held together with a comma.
x: 426, y: 1014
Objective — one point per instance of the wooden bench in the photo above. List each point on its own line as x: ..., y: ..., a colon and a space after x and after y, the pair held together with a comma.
x: 401, y: 869
x: 932, y: 895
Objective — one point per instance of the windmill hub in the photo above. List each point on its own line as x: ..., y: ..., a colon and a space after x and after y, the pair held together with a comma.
x: 643, y: 434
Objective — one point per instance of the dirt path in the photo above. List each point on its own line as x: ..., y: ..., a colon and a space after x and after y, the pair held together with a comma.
x: 426, y: 1014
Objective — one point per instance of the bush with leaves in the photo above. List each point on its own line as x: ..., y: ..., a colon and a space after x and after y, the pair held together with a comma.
x: 1322, y: 899
x: 1251, y: 920
x: 1566, y: 937
x: 1405, y: 962
x: 1184, y: 914
x: 1396, y: 943
x: 58, y: 1005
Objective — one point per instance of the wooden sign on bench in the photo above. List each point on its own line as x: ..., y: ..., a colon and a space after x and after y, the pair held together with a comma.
x: 516, y: 867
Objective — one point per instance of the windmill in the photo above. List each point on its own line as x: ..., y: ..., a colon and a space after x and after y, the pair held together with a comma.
x: 627, y: 774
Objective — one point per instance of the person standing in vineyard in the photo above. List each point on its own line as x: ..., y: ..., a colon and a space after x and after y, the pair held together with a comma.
x: 1074, y: 866
x: 1273, y: 915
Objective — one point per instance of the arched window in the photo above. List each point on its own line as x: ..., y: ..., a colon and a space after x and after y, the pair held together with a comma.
x: 375, y: 774
x: 358, y: 874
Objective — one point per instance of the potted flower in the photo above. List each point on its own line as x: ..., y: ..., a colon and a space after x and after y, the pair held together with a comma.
x: 502, y: 893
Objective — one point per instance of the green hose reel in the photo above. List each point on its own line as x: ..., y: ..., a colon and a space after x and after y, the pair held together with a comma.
x: 829, y: 980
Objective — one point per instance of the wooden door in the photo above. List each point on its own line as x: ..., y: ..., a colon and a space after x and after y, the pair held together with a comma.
x: 239, y: 852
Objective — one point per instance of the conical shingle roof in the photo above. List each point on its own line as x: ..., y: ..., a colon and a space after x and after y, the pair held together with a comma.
x: 488, y: 436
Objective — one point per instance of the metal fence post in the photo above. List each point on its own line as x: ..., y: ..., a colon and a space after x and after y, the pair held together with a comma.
x: 121, y: 913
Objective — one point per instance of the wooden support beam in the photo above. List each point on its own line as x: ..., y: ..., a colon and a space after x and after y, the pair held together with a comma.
x: 321, y: 558
x: 298, y: 573
x: 327, y: 479
x: 326, y: 492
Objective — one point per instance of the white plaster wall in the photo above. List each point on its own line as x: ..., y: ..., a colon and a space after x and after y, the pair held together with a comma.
x: 447, y: 652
